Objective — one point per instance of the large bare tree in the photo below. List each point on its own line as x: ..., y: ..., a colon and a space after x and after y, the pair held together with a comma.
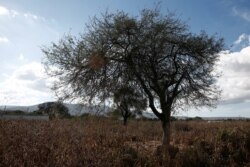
x: 155, y: 54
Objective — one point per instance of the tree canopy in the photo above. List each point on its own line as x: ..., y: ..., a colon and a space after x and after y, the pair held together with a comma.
x: 54, y: 109
x: 155, y: 54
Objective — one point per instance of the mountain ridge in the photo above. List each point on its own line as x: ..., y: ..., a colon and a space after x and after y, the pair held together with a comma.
x: 79, y: 109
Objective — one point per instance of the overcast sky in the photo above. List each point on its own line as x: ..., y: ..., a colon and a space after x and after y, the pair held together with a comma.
x: 26, y: 26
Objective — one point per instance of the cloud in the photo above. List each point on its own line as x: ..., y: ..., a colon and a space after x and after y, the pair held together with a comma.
x: 23, y: 81
x: 243, y: 38
x: 235, y: 79
x: 4, y: 40
x: 7, y: 12
x: 27, y: 75
x: 10, y: 13
x: 27, y: 85
x: 28, y: 15
x: 3, y: 11
x: 243, y: 13
x: 21, y: 57
x: 21, y: 38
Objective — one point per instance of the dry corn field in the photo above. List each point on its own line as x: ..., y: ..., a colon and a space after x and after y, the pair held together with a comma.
x: 106, y: 142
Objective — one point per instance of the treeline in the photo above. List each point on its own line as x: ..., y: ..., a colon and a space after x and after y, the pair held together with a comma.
x: 55, y: 110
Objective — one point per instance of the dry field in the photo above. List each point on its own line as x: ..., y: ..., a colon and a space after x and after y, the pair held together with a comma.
x: 106, y: 142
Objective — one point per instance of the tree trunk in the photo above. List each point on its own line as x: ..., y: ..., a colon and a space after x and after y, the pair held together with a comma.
x: 125, y: 120
x: 166, y: 134
x: 166, y: 143
x: 166, y: 109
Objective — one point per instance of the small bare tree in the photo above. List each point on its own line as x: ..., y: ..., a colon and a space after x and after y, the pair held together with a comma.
x: 129, y: 102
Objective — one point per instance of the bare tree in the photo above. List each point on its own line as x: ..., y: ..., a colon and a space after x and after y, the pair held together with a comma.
x: 156, y: 54
x: 129, y: 102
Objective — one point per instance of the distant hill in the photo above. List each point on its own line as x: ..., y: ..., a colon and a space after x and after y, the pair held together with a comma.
x: 74, y: 109
x: 19, y: 108
x: 78, y: 109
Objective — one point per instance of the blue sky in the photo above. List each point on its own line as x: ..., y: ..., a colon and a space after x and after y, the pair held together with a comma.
x: 26, y: 26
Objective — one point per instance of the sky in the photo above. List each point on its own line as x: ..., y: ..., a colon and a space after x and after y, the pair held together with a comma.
x: 27, y: 26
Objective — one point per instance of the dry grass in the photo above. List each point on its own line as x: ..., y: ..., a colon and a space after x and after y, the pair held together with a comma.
x: 106, y: 142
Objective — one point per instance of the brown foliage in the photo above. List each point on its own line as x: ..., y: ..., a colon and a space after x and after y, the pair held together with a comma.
x: 105, y: 142
x: 96, y: 62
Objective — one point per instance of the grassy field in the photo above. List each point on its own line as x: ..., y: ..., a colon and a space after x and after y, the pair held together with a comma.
x: 106, y: 142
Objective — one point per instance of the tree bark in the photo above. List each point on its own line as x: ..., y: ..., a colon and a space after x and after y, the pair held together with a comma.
x: 166, y: 134
x: 125, y: 120
x: 166, y: 143
x: 125, y: 115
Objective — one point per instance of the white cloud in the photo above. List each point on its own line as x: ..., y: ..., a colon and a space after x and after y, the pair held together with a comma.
x: 21, y: 38
x: 243, y: 13
x: 242, y: 42
x: 21, y: 57
x: 4, y: 40
x: 3, y: 11
x: 235, y: 79
x: 14, y: 13
x: 8, y: 12
x: 243, y: 38
x: 30, y: 16
x: 27, y: 85
x: 23, y: 81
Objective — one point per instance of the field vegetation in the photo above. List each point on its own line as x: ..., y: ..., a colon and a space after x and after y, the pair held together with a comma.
x: 92, y: 141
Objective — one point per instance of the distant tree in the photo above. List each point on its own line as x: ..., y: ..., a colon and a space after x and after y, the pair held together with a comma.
x: 155, y: 54
x: 114, y: 113
x: 129, y: 102
x: 53, y: 109
x: 194, y: 119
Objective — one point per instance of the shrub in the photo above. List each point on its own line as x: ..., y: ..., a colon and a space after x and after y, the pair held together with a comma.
x: 129, y: 156
x: 194, y: 157
x: 182, y: 126
x: 233, y: 146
